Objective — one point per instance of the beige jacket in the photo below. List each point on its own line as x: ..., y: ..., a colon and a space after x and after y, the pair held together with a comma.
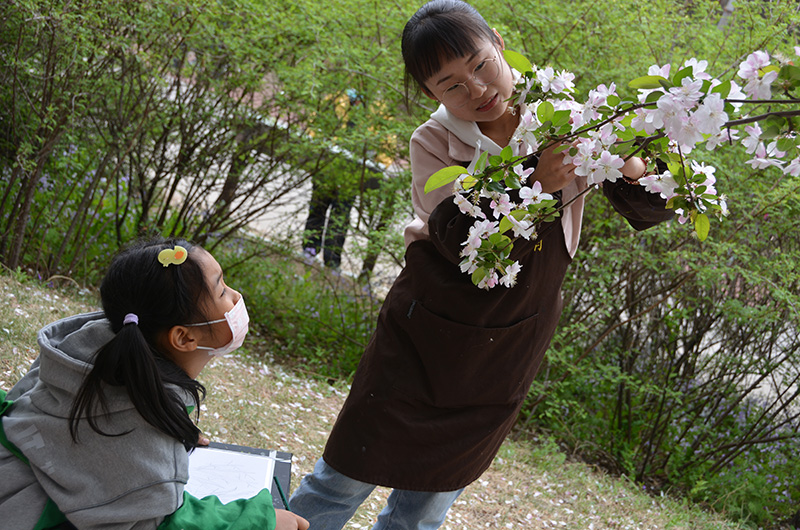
x: 445, y: 140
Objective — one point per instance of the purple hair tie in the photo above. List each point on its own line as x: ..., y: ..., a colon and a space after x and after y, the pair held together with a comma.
x: 130, y: 318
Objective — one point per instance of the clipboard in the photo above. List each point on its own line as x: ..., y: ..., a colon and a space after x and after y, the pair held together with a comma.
x: 238, y: 472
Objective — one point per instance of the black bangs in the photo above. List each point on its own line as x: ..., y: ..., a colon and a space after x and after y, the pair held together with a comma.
x: 438, y: 32
x: 437, y: 41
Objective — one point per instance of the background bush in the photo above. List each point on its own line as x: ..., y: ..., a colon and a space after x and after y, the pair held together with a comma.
x: 675, y: 362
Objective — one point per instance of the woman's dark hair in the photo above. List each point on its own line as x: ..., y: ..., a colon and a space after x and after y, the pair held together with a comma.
x: 161, y: 297
x: 438, y: 32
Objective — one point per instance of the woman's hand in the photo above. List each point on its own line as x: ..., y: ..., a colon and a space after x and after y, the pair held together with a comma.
x: 552, y: 172
x: 286, y: 520
x: 634, y: 168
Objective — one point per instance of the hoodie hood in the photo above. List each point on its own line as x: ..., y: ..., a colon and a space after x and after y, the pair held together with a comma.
x: 67, y: 348
x: 95, y: 479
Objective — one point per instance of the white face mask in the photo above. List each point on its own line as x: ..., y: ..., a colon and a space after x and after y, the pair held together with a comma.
x: 238, y: 321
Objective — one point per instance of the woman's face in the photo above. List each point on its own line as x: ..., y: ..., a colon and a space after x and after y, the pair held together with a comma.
x: 485, y: 103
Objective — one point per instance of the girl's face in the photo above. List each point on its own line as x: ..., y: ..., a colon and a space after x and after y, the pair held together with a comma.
x: 222, y: 300
x: 484, y: 103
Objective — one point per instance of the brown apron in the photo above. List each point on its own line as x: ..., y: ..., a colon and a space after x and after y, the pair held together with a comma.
x: 446, y: 371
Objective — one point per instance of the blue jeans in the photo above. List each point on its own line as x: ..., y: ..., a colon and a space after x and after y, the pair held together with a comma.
x: 328, y: 499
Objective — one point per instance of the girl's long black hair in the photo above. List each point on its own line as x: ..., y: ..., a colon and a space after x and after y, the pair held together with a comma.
x: 440, y: 31
x: 161, y: 297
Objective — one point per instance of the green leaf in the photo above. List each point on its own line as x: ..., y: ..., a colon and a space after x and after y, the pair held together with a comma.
x: 702, y: 226
x: 652, y: 97
x: 786, y: 144
x: 789, y: 72
x: 480, y: 165
x: 506, y: 153
x: 613, y: 100
x: 561, y: 117
x: 562, y: 147
x: 680, y: 74
x: 478, y: 275
x: 505, y: 225
x: 723, y: 89
x: 499, y: 240
x: 443, y: 177
x: 496, y: 187
x: 517, y: 61
x: 772, y: 127
x: 545, y: 111
x: 675, y: 167
x: 648, y: 82
x: 512, y: 182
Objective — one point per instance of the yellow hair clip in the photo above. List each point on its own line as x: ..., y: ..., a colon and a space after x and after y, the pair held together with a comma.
x: 174, y: 256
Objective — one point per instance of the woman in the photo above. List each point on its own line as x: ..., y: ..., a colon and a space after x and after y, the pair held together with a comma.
x: 446, y: 372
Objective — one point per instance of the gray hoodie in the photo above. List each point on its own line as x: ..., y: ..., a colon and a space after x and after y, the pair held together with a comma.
x: 129, y: 481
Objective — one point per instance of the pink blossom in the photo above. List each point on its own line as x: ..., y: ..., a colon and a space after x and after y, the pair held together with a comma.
x: 749, y: 68
x: 698, y: 168
x: 793, y: 167
x: 753, y: 138
x: 523, y: 94
x: 761, y: 88
x: 562, y: 82
x: 467, y: 208
x: 522, y: 227
x: 663, y: 184
x: 663, y: 71
x: 489, y: 281
x: 501, y: 205
x: 522, y: 173
x: 711, y: 116
x: 607, y: 167
x: 545, y: 76
x: 604, y: 137
x: 689, y: 92
x: 668, y: 110
x: 469, y: 265
x: 764, y: 158
x: 684, y: 131
x: 735, y: 92
x: 525, y: 131
x: 533, y: 195
x: 724, y: 136
x: 509, y: 279
x: 698, y: 68
x: 583, y: 158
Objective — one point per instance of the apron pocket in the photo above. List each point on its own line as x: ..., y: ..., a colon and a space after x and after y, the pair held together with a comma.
x: 464, y: 365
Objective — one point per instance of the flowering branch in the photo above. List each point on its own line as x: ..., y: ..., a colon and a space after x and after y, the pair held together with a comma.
x: 675, y: 114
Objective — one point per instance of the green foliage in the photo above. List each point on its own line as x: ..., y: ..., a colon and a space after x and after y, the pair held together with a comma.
x: 315, y: 318
x: 190, y: 118
x: 195, y: 117
x: 675, y: 362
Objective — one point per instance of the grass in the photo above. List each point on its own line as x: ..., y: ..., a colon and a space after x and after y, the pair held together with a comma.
x: 252, y: 400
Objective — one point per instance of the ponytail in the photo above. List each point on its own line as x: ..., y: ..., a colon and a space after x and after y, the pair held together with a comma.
x: 158, y: 298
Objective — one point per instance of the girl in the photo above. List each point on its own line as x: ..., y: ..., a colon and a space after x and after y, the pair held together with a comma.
x: 98, y: 432
x: 447, y: 370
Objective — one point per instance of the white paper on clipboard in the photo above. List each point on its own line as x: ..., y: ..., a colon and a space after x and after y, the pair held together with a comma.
x: 229, y: 475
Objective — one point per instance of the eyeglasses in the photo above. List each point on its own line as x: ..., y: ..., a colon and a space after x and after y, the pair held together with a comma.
x: 485, y: 73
